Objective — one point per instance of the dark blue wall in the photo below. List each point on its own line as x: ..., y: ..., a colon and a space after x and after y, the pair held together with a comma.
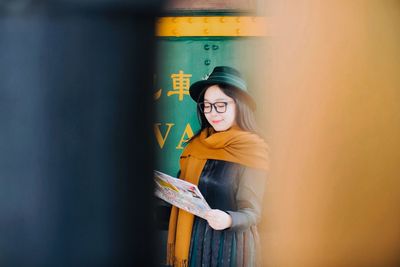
x: 75, y: 127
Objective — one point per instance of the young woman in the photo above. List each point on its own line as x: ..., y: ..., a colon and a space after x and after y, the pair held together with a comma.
x: 228, y: 161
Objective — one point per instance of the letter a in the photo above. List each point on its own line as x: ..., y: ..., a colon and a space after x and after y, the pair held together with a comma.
x: 188, y: 132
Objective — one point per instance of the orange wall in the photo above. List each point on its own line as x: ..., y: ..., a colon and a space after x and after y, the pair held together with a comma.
x: 333, y: 120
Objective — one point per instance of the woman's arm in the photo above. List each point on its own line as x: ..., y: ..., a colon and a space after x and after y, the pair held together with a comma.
x: 249, y: 199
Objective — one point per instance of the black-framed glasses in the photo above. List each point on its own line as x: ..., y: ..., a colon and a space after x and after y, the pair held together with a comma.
x: 219, y: 107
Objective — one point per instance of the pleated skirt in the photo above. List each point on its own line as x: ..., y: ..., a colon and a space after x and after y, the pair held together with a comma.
x: 209, y: 247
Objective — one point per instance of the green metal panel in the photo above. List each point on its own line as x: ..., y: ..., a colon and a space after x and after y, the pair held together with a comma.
x: 186, y: 60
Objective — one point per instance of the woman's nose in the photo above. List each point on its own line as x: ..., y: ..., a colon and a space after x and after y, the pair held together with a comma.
x: 213, y: 111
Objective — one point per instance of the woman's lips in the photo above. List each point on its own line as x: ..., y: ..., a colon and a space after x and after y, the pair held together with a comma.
x: 216, y: 121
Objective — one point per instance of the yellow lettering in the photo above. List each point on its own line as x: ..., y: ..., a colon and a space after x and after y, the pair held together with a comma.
x: 180, y: 84
x: 157, y: 94
x: 160, y: 138
x: 187, y: 132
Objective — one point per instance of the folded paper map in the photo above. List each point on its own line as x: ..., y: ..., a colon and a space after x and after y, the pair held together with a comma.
x: 180, y: 193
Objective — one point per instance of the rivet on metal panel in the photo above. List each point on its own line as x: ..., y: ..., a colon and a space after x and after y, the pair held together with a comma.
x: 207, y: 62
x: 254, y: 19
x: 215, y: 47
x: 174, y: 32
x: 205, y: 20
x: 206, y: 47
x: 190, y: 20
x: 206, y: 31
x: 222, y: 19
x: 237, y: 31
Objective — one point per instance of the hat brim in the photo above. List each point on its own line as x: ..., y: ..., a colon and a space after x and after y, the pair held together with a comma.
x: 197, y: 88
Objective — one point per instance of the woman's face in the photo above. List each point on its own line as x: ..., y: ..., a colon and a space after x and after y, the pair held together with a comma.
x: 219, y: 109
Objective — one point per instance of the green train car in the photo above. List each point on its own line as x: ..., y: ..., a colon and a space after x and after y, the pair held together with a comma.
x: 189, y: 47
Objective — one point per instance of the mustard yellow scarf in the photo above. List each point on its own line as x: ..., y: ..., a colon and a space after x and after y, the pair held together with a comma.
x: 233, y: 145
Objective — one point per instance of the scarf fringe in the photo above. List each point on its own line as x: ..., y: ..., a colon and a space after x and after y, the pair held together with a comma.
x: 171, y: 260
x: 170, y: 254
x: 180, y: 263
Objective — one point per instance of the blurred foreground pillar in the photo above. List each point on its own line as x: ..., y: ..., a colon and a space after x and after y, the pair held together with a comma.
x: 75, y: 121
x: 334, y: 119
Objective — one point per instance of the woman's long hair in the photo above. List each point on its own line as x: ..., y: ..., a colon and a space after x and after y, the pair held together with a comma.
x: 244, y: 117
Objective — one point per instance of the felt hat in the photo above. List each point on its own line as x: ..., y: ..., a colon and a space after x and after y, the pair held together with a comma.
x: 222, y: 75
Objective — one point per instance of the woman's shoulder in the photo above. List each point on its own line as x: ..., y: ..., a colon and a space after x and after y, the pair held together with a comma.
x: 223, y: 166
x: 239, y: 167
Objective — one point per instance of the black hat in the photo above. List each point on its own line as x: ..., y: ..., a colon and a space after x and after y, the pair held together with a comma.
x: 222, y: 75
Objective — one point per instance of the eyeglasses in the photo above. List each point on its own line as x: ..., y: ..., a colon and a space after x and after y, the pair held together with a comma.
x: 219, y: 107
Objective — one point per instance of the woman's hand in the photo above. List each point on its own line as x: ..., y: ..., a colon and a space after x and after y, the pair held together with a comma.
x: 218, y: 220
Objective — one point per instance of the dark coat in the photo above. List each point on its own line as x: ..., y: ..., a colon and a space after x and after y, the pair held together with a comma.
x: 237, y: 190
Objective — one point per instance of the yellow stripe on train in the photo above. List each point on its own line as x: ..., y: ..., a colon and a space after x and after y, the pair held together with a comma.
x: 229, y: 26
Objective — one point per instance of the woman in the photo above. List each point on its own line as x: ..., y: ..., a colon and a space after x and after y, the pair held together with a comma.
x: 228, y: 161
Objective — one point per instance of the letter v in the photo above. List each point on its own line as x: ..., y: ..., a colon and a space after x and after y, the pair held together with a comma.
x: 161, y: 139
